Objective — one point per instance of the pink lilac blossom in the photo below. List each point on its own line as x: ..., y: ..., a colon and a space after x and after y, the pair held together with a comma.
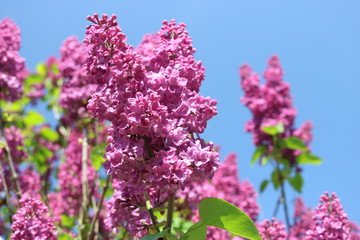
x: 55, y: 205
x: 272, y: 229
x: 155, y: 110
x: 15, y: 140
x: 53, y: 72
x: 69, y: 175
x: 302, y: 221
x: 146, y: 48
x: 330, y: 220
x: 77, y: 87
x: 30, y: 183
x: 124, y: 210
x: 271, y: 104
x: 354, y: 230
x: 12, y: 65
x: 32, y: 221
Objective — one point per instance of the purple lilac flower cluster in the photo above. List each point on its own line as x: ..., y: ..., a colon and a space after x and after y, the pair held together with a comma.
x: 271, y: 104
x: 302, y: 220
x: 12, y: 65
x: 155, y: 109
x: 15, y: 140
x: 272, y: 229
x: 77, y: 87
x: 32, y: 221
x: 328, y: 221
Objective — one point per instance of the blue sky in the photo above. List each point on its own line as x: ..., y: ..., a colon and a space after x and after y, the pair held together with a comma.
x: 318, y: 44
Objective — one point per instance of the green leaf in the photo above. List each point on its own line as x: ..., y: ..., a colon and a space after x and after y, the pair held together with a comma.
x: 41, y: 69
x: 295, y: 143
x: 64, y: 236
x: 222, y: 214
x: 263, y: 185
x: 260, y: 151
x: 308, y: 158
x: 97, y: 155
x: 49, y: 134
x: 155, y: 236
x: 296, y: 182
x: 178, y: 231
x: 33, y: 79
x: 33, y: 118
x: 275, y: 178
x: 273, y: 130
x: 67, y: 221
x: 196, y: 232
x: 265, y: 160
x: 170, y: 236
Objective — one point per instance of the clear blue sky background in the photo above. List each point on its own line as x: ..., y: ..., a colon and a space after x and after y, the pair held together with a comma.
x: 319, y: 46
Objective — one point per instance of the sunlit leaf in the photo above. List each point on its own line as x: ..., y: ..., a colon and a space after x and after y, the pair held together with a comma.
x: 222, y: 214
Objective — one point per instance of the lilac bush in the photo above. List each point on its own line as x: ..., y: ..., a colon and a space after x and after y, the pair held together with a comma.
x: 125, y: 158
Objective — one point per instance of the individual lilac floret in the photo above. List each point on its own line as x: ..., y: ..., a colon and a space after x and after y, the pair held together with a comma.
x: 302, y: 221
x: 70, y: 175
x: 77, y: 87
x: 330, y: 220
x: 32, y: 221
x: 272, y: 229
x: 12, y: 65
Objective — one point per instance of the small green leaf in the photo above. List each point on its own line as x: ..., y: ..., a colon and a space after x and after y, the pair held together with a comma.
x: 97, y: 155
x: 178, y: 231
x: 295, y: 143
x: 33, y: 79
x: 296, y: 182
x: 273, y: 130
x: 265, y: 160
x: 222, y: 214
x: 67, y: 221
x: 49, y: 134
x: 263, y: 185
x: 275, y: 178
x: 33, y: 118
x: 170, y: 236
x: 196, y: 232
x: 41, y: 69
x: 260, y: 151
x: 64, y: 236
x: 308, y: 158
x: 155, y: 236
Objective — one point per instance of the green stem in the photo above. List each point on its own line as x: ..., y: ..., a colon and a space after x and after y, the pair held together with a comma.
x: 283, y: 198
x: 170, y: 212
x: 96, y: 217
x: 85, y: 187
x: 151, y: 212
x: 7, y: 192
x: 14, y: 175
